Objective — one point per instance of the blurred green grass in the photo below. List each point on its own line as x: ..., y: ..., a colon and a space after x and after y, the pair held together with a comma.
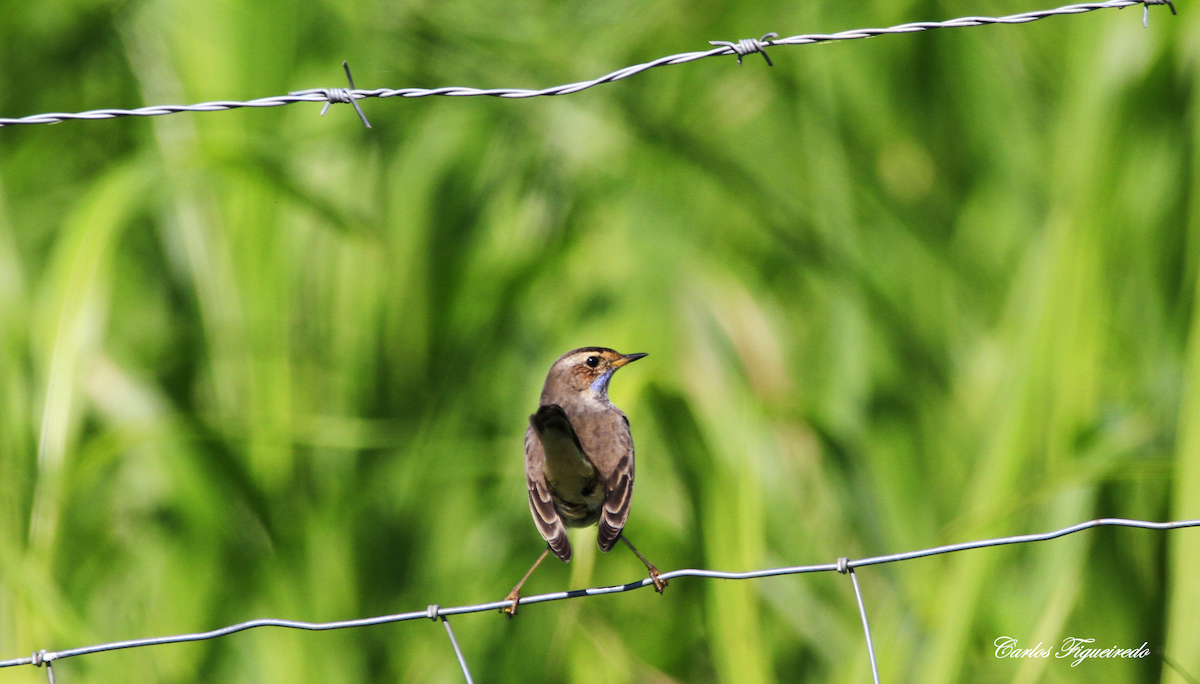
x: 899, y: 292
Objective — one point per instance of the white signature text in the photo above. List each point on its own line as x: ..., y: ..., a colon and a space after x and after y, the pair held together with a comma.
x: 1075, y: 648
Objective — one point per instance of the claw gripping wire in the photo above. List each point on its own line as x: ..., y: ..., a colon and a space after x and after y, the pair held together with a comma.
x: 435, y: 612
x: 748, y: 46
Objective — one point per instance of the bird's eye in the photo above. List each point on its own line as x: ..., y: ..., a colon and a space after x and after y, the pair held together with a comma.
x: 593, y: 361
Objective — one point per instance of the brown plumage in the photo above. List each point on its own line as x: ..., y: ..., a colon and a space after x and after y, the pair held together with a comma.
x: 579, y: 461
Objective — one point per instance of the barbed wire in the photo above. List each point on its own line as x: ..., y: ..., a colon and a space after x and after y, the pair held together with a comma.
x: 740, y: 48
x: 435, y: 612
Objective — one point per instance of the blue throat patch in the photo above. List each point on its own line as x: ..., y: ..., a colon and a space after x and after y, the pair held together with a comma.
x: 600, y: 384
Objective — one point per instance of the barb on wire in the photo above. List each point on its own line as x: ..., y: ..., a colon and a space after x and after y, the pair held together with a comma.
x: 1146, y: 10
x: 334, y: 95
x: 748, y: 46
x: 741, y: 48
x: 434, y: 611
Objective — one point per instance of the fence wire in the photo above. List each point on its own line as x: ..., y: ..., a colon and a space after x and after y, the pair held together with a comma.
x: 435, y: 612
x: 741, y: 48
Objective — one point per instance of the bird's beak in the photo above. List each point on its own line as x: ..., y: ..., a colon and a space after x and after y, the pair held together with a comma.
x: 626, y: 359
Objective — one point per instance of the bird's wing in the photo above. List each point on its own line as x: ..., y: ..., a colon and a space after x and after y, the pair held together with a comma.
x: 552, y: 421
x: 546, y: 518
x: 619, y: 494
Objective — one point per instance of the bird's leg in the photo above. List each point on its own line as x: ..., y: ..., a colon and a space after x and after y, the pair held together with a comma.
x: 659, y: 584
x: 516, y: 591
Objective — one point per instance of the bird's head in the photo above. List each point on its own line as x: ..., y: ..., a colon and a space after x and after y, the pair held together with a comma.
x: 584, y: 370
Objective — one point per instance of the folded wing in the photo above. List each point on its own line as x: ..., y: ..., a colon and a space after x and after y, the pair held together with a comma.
x: 619, y: 493
x: 541, y: 505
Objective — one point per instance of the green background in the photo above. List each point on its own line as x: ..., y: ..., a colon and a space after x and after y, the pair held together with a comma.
x: 896, y: 293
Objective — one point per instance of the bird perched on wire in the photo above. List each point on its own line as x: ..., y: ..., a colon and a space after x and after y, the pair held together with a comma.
x: 579, y: 458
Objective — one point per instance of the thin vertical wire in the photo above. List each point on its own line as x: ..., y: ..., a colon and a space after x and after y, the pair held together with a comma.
x: 434, y: 612
x: 40, y: 658
x: 866, y: 627
x: 457, y: 651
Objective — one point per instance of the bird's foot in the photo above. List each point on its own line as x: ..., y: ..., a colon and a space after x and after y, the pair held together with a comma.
x: 511, y: 610
x: 659, y: 583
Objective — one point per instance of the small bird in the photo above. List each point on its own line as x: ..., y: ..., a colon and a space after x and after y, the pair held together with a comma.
x: 579, y: 458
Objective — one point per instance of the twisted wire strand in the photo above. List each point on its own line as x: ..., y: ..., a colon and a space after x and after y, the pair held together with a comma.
x: 435, y: 611
x: 739, y: 48
x: 748, y: 46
